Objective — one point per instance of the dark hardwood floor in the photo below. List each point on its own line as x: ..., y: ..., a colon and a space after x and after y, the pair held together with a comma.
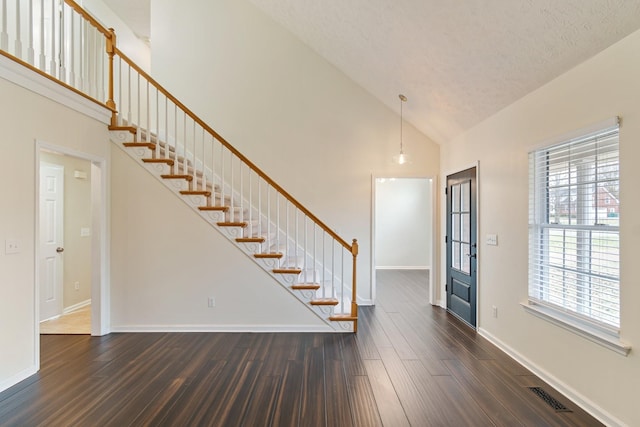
x: 409, y: 364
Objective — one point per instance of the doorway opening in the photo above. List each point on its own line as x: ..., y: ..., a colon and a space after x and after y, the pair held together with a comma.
x: 403, y: 230
x: 70, y: 273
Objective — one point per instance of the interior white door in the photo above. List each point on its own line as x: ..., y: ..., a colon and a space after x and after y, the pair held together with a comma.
x: 51, y: 240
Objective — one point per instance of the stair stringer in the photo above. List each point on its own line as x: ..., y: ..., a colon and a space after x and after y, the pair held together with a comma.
x: 118, y: 137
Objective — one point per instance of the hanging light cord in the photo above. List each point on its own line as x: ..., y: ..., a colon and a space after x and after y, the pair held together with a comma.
x: 403, y: 99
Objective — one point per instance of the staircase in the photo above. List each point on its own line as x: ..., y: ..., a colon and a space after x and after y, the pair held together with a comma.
x: 63, y: 42
x: 257, y: 234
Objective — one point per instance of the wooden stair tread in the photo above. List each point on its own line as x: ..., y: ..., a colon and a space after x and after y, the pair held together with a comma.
x: 149, y: 145
x: 287, y: 271
x: 324, y: 301
x: 205, y: 193
x: 166, y: 161
x: 306, y: 286
x: 268, y: 255
x: 125, y: 128
x: 214, y: 208
x: 232, y: 224
x: 185, y: 177
x: 250, y: 239
x: 343, y: 318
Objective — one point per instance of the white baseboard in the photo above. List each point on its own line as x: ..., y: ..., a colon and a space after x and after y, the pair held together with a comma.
x: 402, y: 267
x: 77, y: 306
x: 220, y: 328
x: 20, y: 376
x: 570, y: 393
x: 365, y: 301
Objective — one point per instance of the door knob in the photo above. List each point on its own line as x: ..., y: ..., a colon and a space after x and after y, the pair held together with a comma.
x: 59, y: 250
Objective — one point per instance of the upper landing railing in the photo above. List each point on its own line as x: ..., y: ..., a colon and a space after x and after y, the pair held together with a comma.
x: 61, y: 41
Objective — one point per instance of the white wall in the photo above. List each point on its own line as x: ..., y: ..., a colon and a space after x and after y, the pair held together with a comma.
x: 25, y: 117
x: 602, y: 87
x: 403, y: 223
x: 307, y: 125
x: 126, y: 40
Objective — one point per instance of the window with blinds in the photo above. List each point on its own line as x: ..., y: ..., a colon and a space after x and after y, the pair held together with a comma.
x: 574, y: 217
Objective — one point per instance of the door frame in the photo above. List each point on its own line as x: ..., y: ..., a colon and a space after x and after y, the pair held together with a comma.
x: 433, y: 290
x: 443, y: 245
x: 100, y: 313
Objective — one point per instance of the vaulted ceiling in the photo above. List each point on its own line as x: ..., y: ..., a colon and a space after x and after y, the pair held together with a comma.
x: 458, y: 62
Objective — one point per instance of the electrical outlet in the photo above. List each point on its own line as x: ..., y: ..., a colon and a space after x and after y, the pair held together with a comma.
x: 11, y: 246
x: 76, y: 286
x: 211, y: 302
x: 495, y: 311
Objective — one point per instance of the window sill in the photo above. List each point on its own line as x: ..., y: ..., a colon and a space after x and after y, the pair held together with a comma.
x: 610, y: 341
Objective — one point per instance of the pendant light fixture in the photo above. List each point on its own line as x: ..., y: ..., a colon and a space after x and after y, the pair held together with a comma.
x: 401, y: 158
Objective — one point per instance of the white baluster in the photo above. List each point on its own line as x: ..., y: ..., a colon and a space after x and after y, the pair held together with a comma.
x: 4, y: 35
x: 82, y: 83
x: 102, y: 51
x: 231, y: 189
x: 306, y: 249
x: 62, y: 42
x: 138, y: 116
x: 259, y: 206
x: 286, y: 229
x: 184, y: 143
x: 203, y: 163
x: 148, y: 92
x: 120, y: 103
x: 30, y: 50
x: 222, y: 180
x: 241, y: 192
x: 157, y: 121
x: 18, y: 41
x: 268, y: 214
x: 277, y: 220
x: 72, y: 50
x: 52, y: 62
x: 324, y: 283
x: 333, y: 267
x: 251, y: 201
x: 129, y: 95
x: 342, y: 283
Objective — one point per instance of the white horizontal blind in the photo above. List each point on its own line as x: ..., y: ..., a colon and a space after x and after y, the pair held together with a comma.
x: 574, y: 251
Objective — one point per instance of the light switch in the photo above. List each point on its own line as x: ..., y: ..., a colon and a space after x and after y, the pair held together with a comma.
x: 85, y: 232
x: 492, y: 239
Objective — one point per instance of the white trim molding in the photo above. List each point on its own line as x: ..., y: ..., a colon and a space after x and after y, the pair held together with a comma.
x: 77, y: 306
x: 28, y: 79
x: 566, y: 390
x: 582, y: 329
x: 223, y: 328
x: 20, y: 376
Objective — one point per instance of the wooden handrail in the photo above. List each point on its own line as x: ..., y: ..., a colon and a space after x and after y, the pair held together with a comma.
x: 239, y: 155
x: 75, y: 6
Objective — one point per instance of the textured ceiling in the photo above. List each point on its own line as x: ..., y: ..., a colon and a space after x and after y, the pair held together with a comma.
x: 457, y: 61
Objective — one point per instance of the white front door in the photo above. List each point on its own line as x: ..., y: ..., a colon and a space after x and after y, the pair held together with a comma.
x: 51, y: 239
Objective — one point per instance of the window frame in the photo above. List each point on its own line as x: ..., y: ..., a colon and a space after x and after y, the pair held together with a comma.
x: 540, y: 205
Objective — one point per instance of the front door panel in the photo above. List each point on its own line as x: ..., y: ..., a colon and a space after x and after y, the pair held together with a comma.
x: 461, y: 245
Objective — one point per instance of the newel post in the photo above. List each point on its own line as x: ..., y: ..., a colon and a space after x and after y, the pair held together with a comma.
x: 111, y: 51
x: 354, y: 292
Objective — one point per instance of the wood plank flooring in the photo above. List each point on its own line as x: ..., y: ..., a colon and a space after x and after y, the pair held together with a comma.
x: 409, y: 365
